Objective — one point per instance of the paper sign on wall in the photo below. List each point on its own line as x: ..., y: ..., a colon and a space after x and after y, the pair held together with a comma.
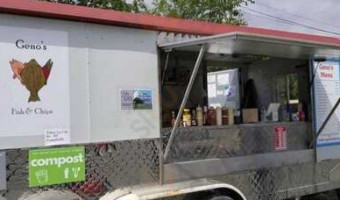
x: 57, y: 137
x: 34, y: 74
x: 2, y: 170
x: 56, y: 166
x: 223, y: 79
x: 137, y: 99
x: 326, y: 93
x: 223, y: 88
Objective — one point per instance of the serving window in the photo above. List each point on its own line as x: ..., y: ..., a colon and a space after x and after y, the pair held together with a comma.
x: 254, y: 89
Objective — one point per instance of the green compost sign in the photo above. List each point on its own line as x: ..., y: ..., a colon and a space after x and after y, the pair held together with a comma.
x: 56, y: 166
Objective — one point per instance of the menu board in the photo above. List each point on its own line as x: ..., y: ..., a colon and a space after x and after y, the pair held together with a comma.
x: 223, y: 89
x: 326, y: 94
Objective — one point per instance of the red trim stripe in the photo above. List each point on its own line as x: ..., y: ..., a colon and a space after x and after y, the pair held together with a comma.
x: 109, y: 17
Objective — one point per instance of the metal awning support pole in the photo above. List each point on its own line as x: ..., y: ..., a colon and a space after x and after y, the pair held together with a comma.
x: 325, y: 123
x: 166, y: 65
x: 184, y: 101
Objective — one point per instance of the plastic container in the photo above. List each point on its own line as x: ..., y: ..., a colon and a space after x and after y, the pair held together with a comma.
x: 219, y: 116
x: 186, y: 118
x: 230, y: 116
x: 225, y: 116
x: 211, y: 118
x: 199, y: 113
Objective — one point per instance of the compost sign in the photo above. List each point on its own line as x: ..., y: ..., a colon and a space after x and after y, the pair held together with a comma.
x: 34, y: 75
x: 56, y: 166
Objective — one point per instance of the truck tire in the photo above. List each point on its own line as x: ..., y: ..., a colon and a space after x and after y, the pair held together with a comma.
x: 219, y: 197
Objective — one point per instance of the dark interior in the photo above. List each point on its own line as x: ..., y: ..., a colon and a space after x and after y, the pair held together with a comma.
x: 274, y: 80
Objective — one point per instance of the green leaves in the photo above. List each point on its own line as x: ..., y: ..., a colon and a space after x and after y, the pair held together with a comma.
x: 217, y: 11
x: 121, y: 5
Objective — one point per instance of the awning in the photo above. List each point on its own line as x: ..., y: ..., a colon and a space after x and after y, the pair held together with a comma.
x: 255, y: 44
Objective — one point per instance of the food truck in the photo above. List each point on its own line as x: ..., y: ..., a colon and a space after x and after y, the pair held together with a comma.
x: 100, y: 104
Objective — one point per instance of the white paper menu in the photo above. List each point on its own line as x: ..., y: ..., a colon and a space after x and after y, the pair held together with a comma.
x: 326, y: 93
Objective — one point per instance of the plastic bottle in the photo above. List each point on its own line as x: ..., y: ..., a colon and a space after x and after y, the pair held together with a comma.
x: 225, y: 116
x: 186, y: 118
x: 219, y: 116
x: 211, y: 116
x: 199, y: 113
x: 302, y: 116
x: 230, y: 116
x: 193, y: 118
x: 173, y: 118
x: 205, y: 115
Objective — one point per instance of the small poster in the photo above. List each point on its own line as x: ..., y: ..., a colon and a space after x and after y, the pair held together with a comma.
x: 56, y: 166
x: 57, y: 137
x: 2, y: 170
x: 138, y: 99
x: 280, y: 138
x: 34, y: 75
x: 223, y: 88
x: 212, y: 78
x: 223, y: 79
x: 212, y: 90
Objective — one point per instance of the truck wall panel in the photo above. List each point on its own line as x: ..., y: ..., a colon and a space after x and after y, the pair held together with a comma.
x: 98, y: 61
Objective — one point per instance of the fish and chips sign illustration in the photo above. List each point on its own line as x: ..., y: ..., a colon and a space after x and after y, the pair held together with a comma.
x: 35, y: 87
x: 32, y: 76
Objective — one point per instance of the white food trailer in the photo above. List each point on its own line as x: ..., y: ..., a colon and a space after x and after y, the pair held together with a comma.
x: 88, y: 96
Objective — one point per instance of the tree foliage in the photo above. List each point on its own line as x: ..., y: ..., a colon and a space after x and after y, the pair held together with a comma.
x: 218, y: 11
x: 136, y: 6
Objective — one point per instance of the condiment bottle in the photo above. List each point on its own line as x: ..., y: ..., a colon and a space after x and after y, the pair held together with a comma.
x: 193, y: 118
x: 230, y: 116
x: 211, y: 119
x: 205, y: 115
x: 219, y: 116
x: 173, y: 118
x: 186, y: 118
x: 302, y: 116
x: 225, y: 116
x: 199, y: 112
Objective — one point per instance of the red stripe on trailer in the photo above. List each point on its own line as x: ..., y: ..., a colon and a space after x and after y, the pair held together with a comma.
x: 109, y: 17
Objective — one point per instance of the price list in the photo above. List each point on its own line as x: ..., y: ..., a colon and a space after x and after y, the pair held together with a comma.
x: 326, y: 93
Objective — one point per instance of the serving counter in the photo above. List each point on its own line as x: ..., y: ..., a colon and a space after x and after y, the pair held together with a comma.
x: 205, y: 142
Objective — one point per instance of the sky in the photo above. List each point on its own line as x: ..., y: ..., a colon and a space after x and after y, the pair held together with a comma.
x: 319, y: 14
x: 279, y: 14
